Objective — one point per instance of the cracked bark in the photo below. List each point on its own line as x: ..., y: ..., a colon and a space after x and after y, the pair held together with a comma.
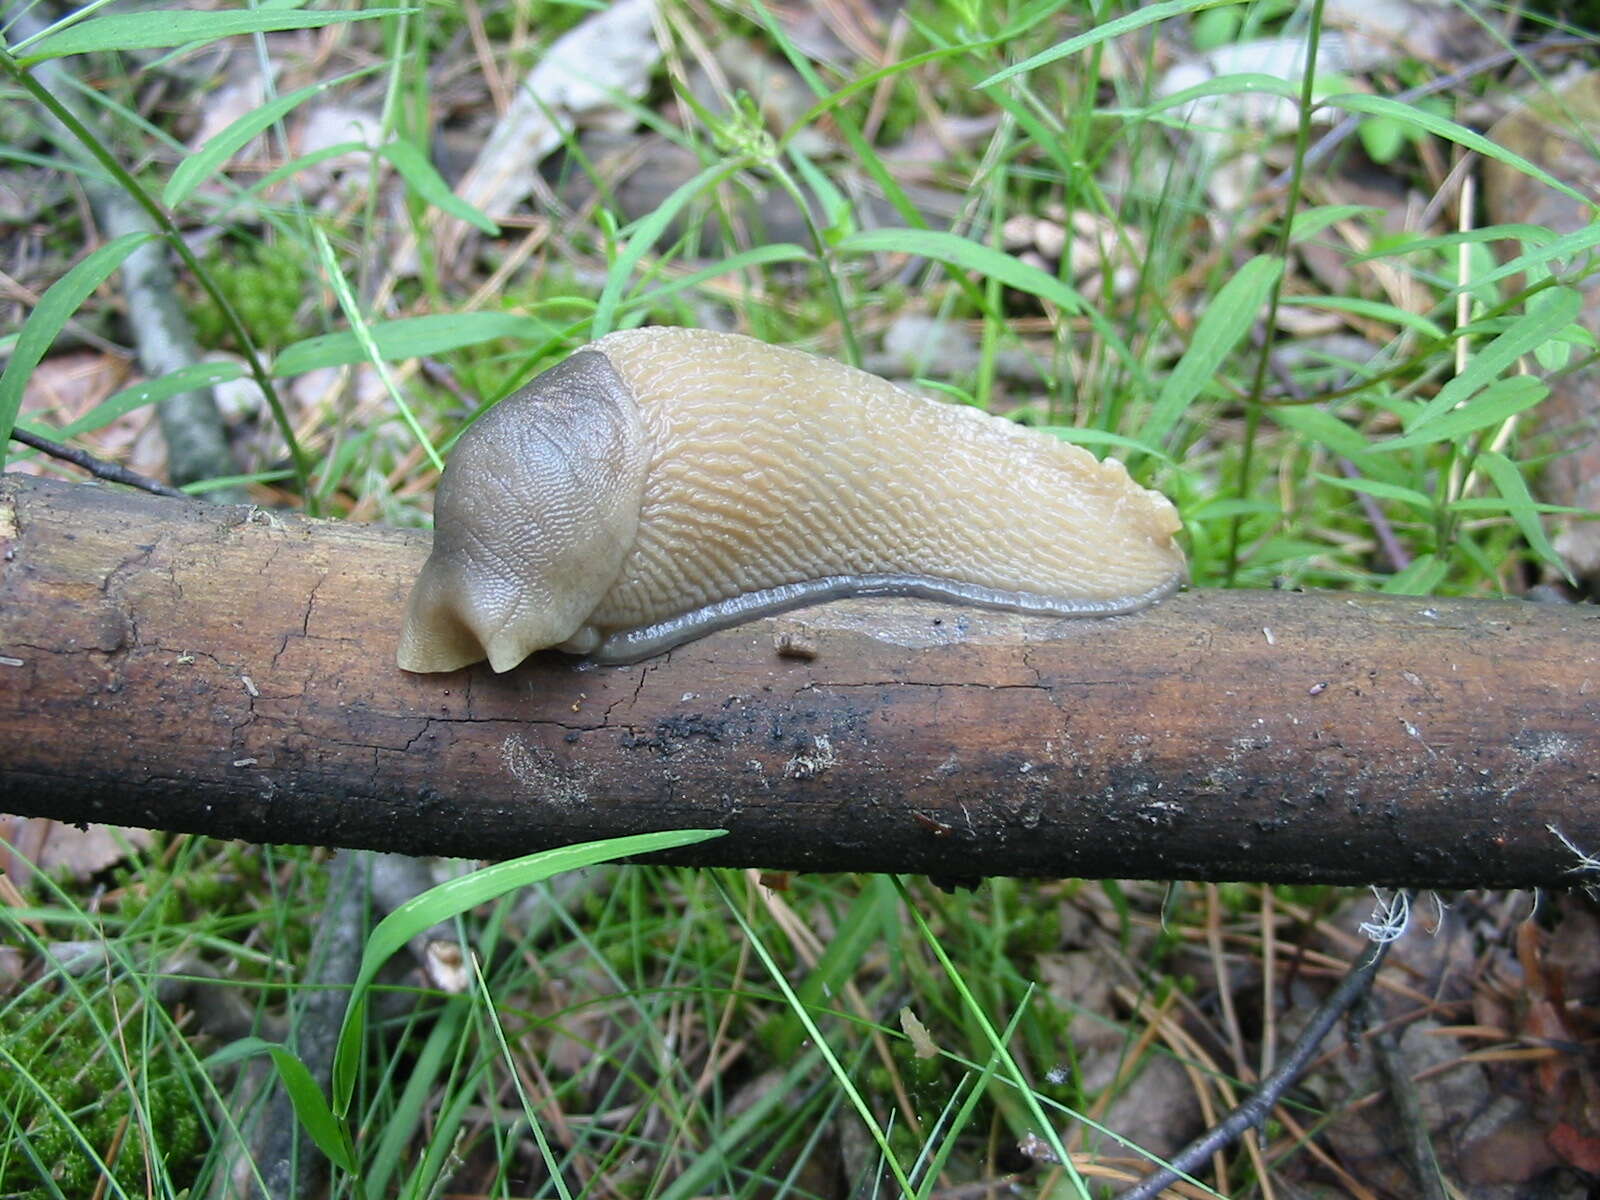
x: 220, y: 670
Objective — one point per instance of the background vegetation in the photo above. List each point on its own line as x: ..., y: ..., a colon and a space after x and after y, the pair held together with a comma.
x: 1337, y: 359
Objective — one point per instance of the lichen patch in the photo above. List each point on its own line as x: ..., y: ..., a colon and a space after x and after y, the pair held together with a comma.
x: 541, y: 776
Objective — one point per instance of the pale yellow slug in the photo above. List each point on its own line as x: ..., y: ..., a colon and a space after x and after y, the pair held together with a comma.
x: 664, y: 482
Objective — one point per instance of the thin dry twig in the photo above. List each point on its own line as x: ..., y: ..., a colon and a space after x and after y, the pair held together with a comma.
x: 1253, y: 1111
x: 98, y: 467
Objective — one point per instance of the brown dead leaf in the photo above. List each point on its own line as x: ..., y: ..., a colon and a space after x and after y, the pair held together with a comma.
x: 1579, y: 1149
x: 38, y: 844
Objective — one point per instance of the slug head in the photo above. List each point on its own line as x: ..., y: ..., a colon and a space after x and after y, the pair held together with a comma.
x: 536, y: 509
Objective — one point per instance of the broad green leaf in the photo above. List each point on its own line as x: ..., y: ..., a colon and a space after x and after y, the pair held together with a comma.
x: 1383, y: 491
x: 1215, y: 28
x: 1553, y: 354
x: 156, y: 28
x: 1502, y: 399
x: 1407, y: 114
x: 1227, y: 319
x: 52, y: 312
x: 969, y: 255
x: 310, y: 1105
x: 407, y: 337
x: 152, y: 391
x: 1382, y: 138
x: 1426, y: 572
x: 1389, y: 314
x: 423, y: 179
x: 205, y: 162
x: 449, y: 900
x: 1149, y: 14
x: 1520, y: 504
x: 1525, y: 334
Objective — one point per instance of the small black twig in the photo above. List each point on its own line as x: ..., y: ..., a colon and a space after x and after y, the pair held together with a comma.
x: 1253, y: 1112
x: 1407, y: 1104
x: 98, y: 467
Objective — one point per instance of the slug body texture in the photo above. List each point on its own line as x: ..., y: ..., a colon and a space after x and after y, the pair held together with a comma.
x: 666, y: 482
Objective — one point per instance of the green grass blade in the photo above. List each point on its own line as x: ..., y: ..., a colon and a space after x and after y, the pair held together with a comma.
x: 1408, y: 114
x: 45, y: 322
x: 1502, y: 399
x: 1047, y: 1129
x: 777, y: 252
x: 547, y: 1154
x: 1309, y: 222
x: 1150, y: 14
x: 358, y: 326
x: 156, y: 29
x: 1520, y: 504
x: 645, y: 235
x: 1237, y: 84
x: 455, y: 897
x: 152, y: 391
x: 1389, y: 314
x: 1102, y: 437
x: 1524, y: 335
x: 700, y: 1172
x: 407, y: 337
x: 1426, y: 572
x: 1562, y: 247
x: 1227, y: 319
x: 205, y: 162
x: 861, y: 928
x: 1533, y: 235
x: 424, y: 179
x: 1321, y: 427
x: 426, y: 1078
x: 1382, y: 490
x: 969, y: 255
x: 842, y: 1077
x: 310, y: 1105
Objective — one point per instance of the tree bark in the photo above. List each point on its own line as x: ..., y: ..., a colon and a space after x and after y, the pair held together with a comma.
x: 230, y: 671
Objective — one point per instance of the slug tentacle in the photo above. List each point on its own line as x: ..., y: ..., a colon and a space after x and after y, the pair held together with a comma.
x: 668, y: 482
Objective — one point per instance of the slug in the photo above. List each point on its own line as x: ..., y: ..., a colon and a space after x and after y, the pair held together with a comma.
x: 664, y: 483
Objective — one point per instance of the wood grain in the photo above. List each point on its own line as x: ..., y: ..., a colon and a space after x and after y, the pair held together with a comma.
x: 230, y: 671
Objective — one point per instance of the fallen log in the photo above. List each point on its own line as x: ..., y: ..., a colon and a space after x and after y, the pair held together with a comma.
x: 230, y: 671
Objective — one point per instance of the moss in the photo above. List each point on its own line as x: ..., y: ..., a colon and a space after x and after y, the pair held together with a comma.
x: 262, y: 283
x: 70, y: 1092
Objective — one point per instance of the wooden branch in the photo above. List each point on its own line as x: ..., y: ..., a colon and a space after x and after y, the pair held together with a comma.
x: 230, y: 671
